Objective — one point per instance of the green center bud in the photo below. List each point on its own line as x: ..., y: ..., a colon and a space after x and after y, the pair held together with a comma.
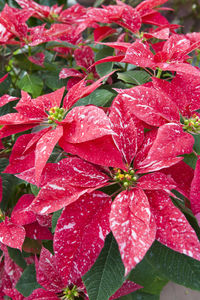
x: 127, y: 179
x: 70, y: 293
x: 192, y: 125
x: 56, y: 114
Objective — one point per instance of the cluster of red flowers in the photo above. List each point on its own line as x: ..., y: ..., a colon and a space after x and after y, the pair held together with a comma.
x: 117, y: 166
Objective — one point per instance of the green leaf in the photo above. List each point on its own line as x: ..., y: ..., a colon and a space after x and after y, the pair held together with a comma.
x: 148, y: 276
x: 9, y: 183
x: 135, y: 77
x: 107, y: 274
x: 4, y: 86
x: 48, y: 245
x: 53, y: 82
x: 60, y: 44
x: 17, y: 257
x: 190, y: 159
x: 197, y: 143
x: 8, y: 108
x: 55, y: 217
x: 104, y: 68
x: 100, y: 97
x: 31, y: 84
x: 27, y: 282
x: 140, y: 295
x: 34, y: 189
x: 169, y: 265
x: 98, y: 3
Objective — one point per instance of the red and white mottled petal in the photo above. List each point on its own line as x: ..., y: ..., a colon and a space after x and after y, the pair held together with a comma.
x: 6, y: 99
x: 11, y: 234
x: 65, y: 73
x: 12, y: 270
x: 132, y: 225
x: 170, y: 142
x: 47, y: 272
x: 13, y: 129
x: 101, y: 151
x: 31, y: 112
x: 126, y: 129
x: 173, y: 229
x: 146, y: 5
x: 37, y: 232
x: 72, y: 81
x: 20, y: 215
x: 35, y: 138
x: 74, y: 170
x: 180, y: 68
x: 126, y: 288
x: 19, y: 162
x: 156, y: 181
x: 156, y: 166
x: 13, y: 294
x: 182, y: 174
x: 149, y: 138
x: 131, y: 19
x: 80, y: 234
x: 52, y: 99
x: 103, y: 32
x: 44, y: 149
x: 139, y: 54
x: 195, y: 192
x: 155, y: 18
x: 37, y: 59
x: 14, y: 119
x: 80, y: 90
x: 44, y: 220
x: 150, y: 105
x: 85, y: 123
x: 84, y: 56
x: 41, y: 294
x: 56, y: 195
x: 161, y: 34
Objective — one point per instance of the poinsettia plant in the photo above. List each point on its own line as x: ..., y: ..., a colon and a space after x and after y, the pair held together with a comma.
x: 99, y: 151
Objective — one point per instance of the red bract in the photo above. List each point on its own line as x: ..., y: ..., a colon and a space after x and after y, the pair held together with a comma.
x: 48, y: 275
x: 172, y: 57
x: 127, y: 288
x: 125, y: 16
x: 10, y: 274
x: 33, y: 112
x: 14, y: 19
x: 80, y: 234
x: 149, y: 105
x: 182, y: 90
x: 40, y: 11
x: 11, y: 234
x: 148, y: 158
x: 195, y: 192
x: 133, y: 226
x: 84, y: 58
x: 38, y: 59
x: 3, y: 78
x: 63, y: 183
x: 6, y: 99
x: 173, y: 229
x: 131, y: 210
